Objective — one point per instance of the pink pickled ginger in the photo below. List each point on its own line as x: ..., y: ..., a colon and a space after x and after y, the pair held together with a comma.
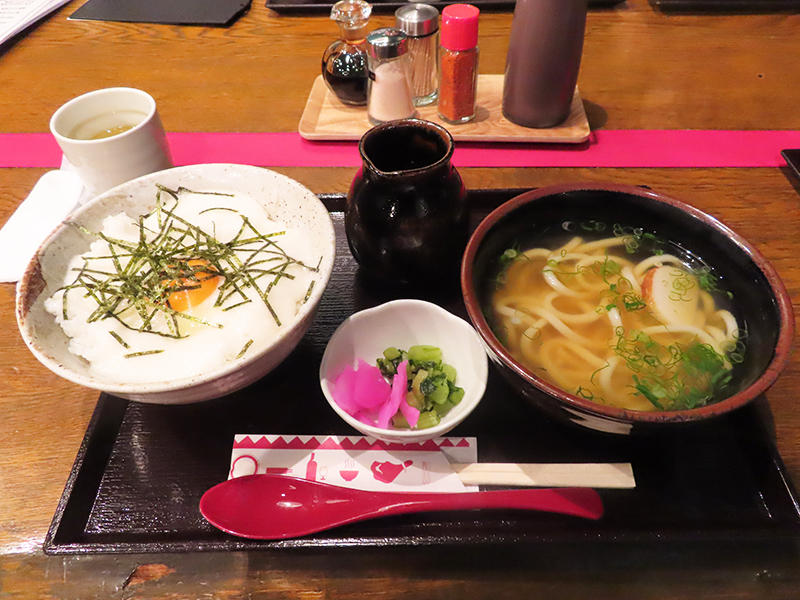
x: 409, y: 412
x: 365, y: 394
x: 361, y: 392
x: 396, y: 398
x: 371, y: 389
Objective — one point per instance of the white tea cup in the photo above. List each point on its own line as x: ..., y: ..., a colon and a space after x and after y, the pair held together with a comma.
x: 111, y: 136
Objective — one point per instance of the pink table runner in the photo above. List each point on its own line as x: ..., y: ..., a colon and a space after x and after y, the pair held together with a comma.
x: 620, y: 148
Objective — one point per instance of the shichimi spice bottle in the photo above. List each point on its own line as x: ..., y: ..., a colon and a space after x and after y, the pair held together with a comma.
x: 458, y: 69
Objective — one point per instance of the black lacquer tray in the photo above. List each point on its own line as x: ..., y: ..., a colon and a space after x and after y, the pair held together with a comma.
x: 383, y: 6
x: 142, y: 469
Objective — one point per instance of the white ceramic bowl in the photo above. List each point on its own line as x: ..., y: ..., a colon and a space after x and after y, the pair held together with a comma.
x: 404, y: 323
x: 284, y: 200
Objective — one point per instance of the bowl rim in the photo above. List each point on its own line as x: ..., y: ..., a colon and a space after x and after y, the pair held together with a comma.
x: 25, y: 287
x: 408, y: 435
x: 783, y: 346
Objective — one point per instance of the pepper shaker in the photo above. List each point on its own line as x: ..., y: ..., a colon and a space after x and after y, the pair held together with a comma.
x: 420, y: 22
x: 458, y: 75
x: 389, y: 90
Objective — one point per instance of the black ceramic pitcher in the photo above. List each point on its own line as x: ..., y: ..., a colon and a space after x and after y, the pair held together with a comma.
x: 406, y: 218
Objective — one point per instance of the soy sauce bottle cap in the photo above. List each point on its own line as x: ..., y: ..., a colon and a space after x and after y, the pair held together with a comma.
x: 351, y: 13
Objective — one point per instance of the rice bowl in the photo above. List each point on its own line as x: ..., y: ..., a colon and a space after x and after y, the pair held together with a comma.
x: 286, y: 202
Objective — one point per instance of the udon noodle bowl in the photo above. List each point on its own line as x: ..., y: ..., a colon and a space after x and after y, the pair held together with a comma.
x: 624, y: 319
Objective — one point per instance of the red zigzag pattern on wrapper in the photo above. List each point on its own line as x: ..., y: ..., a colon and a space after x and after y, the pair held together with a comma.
x: 345, y: 443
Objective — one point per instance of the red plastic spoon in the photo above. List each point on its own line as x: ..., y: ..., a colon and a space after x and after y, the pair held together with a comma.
x: 272, y: 507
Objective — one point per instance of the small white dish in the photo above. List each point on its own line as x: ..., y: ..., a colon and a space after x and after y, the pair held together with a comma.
x: 404, y: 323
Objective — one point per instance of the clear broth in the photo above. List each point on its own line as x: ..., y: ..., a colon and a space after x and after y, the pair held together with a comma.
x: 512, y: 339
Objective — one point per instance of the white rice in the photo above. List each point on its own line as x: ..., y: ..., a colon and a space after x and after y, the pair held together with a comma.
x: 206, y: 348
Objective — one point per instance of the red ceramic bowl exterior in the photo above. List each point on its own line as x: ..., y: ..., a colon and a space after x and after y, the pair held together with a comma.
x: 760, y: 295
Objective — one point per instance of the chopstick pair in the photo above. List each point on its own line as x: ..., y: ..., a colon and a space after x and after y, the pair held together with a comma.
x: 593, y: 475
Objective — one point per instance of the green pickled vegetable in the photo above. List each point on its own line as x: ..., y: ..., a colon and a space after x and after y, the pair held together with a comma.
x: 428, y: 419
x: 431, y: 385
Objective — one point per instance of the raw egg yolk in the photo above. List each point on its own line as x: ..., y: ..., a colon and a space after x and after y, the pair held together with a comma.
x: 198, y: 286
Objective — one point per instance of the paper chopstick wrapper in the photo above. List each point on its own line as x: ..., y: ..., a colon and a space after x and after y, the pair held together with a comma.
x: 355, y: 461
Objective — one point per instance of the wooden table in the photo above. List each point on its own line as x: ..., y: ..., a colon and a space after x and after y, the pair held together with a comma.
x: 641, y: 70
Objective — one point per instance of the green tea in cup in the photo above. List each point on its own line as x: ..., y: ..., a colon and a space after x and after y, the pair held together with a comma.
x: 111, y: 131
x: 103, y: 126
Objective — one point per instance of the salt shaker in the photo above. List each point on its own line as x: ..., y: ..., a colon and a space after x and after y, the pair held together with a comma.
x: 458, y: 75
x: 420, y: 22
x: 389, y: 90
x: 344, y: 62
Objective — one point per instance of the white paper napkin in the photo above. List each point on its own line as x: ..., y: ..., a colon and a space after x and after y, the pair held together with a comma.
x: 52, y: 200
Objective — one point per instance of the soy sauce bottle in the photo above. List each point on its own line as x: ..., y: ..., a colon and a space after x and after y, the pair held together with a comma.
x: 344, y: 63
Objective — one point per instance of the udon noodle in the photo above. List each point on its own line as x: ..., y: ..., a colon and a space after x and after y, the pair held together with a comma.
x: 640, y: 334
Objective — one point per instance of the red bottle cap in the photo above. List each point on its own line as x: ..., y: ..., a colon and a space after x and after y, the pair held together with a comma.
x: 459, y: 27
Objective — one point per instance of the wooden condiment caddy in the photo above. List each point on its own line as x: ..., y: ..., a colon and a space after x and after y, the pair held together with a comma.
x: 325, y: 118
